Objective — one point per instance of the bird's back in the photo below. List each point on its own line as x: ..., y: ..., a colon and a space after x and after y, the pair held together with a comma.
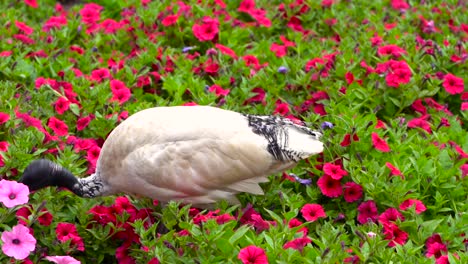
x: 199, y: 154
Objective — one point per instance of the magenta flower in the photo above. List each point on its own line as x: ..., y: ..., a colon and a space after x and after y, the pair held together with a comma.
x: 18, y: 242
x: 13, y: 193
x: 63, y: 260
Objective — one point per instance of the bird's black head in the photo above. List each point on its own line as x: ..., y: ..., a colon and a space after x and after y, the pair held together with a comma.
x: 42, y: 173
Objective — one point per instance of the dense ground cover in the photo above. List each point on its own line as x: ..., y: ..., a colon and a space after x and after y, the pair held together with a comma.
x: 385, y: 80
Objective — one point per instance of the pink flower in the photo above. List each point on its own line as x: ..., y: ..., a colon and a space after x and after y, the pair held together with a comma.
x: 393, y: 170
x: 419, y: 206
x: 252, y: 255
x: 312, y: 212
x: 330, y: 187
x: 62, y: 105
x: 101, y: 74
x: 226, y: 51
x: 13, y: 193
x: 298, y: 243
x: 18, y: 242
x: 218, y: 90
x: 23, y: 27
x: 390, y: 215
x: 395, y: 235
x: 82, y: 123
x: 393, y: 50
x: 334, y: 171
x: 379, y: 143
x: 63, y: 260
x: 208, y: 30
x: 31, y: 3
x: 58, y: 126
x: 170, y: 20
x: 352, y: 192
x: 453, y: 84
x: 367, y: 211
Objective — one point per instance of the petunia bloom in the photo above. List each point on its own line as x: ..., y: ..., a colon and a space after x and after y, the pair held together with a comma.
x: 453, y: 84
x: 393, y: 170
x: 419, y: 206
x: 334, y: 171
x: 13, y: 193
x: 298, y: 243
x: 329, y: 186
x: 18, y: 243
x: 252, y: 255
x: 367, y: 211
x: 352, y: 192
x: 312, y: 212
x: 379, y: 143
x: 395, y: 235
x: 63, y: 260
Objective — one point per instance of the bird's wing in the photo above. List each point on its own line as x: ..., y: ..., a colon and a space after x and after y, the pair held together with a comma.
x: 198, y: 171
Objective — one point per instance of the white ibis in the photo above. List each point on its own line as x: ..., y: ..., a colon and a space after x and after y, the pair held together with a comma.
x: 192, y: 154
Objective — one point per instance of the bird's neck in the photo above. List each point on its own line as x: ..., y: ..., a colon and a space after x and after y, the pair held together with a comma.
x: 90, y: 187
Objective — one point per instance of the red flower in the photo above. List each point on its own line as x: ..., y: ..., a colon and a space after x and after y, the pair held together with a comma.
x: 367, y: 211
x: 23, y: 214
x: 218, y: 90
x: 312, y: 212
x: 4, y: 117
x: 281, y: 108
x: 379, y: 143
x: 298, y: 243
x: 100, y: 75
x: 45, y: 218
x: 399, y: 5
x: 23, y: 27
x: 58, y: 126
x: 395, y: 235
x: 334, y: 171
x: 436, y: 250
x: 90, y: 14
x: 453, y: 84
x: 61, y: 105
x: 226, y: 51
x: 393, y: 50
x: 82, y: 123
x: 390, y: 215
x: 464, y: 170
x: 121, y: 95
x: 122, y: 254
x: 246, y: 6
x: 252, y: 255
x: 31, y: 3
x: 330, y: 187
x: 24, y: 39
x: 259, y: 97
x: 110, y: 26
x: 207, y: 31
x: 421, y: 123
x: 347, y: 139
x: 397, y: 77
x: 419, y: 107
x: 393, y: 170
x: 54, y: 22
x: 279, y: 50
x: 295, y: 223
x: 66, y: 232
x: 170, y: 20
x: 352, y: 192
x: 419, y: 206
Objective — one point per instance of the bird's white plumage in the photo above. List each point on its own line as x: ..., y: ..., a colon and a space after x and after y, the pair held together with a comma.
x: 194, y: 154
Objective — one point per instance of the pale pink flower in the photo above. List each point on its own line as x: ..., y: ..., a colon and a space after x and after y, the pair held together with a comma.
x: 63, y: 260
x: 18, y: 242
x: 13, y: 193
